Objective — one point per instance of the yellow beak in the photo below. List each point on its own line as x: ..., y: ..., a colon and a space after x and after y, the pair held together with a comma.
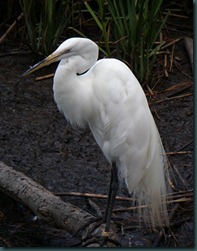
x: 47, y: 61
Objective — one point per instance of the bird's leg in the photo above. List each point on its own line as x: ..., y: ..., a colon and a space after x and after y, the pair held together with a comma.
x: 113, y: 188
x: 106, y: 238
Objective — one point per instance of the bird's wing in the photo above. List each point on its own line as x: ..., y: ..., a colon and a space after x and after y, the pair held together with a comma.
x: 123, y: 125
x: 125, y: 130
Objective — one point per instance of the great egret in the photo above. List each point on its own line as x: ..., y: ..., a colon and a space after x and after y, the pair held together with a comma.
x: 106, y: 95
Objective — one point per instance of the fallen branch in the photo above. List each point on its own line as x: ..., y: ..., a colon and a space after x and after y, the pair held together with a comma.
x: 45, y: 204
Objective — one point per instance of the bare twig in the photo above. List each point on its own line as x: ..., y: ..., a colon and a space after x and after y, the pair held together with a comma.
x: 171, y: 43
x: 181, y: 194
x: 172, y: 57
x: 165, y: 65
x: 185, y: 145
x: 181, y: 71
x: 168, y: 99
x: 3, y: 37
x: 177, y: 15
x: 180, y: 177
x: 180, y: 152
x: 91, y: 195
x: 178, y: 86
x: 95, y: 207
x: 125, y: 209
x: 45, y: 77
x: 174, y: 195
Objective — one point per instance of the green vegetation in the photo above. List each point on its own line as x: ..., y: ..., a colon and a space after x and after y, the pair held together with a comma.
x: 45, y: 22
x: 128, y: 30
x: 134, y: 27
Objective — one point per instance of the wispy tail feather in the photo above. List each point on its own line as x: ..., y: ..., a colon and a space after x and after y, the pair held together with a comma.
x: 152, y: 187
x: 151, y: 192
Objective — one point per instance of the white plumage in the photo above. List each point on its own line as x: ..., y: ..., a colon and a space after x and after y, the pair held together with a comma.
x: 109, y: 98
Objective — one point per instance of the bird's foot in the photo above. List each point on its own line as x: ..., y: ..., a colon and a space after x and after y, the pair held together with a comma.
x: 96, y: 236
x: 101, y: 242
x: 90, y: 226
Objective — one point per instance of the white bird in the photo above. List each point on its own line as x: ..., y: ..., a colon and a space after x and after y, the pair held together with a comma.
x: 106, y: 95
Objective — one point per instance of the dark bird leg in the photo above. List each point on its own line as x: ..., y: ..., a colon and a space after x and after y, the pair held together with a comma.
x: 113, y: 188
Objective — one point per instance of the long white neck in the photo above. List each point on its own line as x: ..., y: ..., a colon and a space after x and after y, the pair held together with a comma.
x: 72, y: 92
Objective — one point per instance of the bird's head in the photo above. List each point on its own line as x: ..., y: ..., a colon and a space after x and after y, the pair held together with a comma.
x: 76, y: 47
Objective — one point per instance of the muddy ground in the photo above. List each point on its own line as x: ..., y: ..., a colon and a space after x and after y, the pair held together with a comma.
x: 36, y: 140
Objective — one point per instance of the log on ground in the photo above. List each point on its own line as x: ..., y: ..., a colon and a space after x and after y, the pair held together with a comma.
x: 41, y: 201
